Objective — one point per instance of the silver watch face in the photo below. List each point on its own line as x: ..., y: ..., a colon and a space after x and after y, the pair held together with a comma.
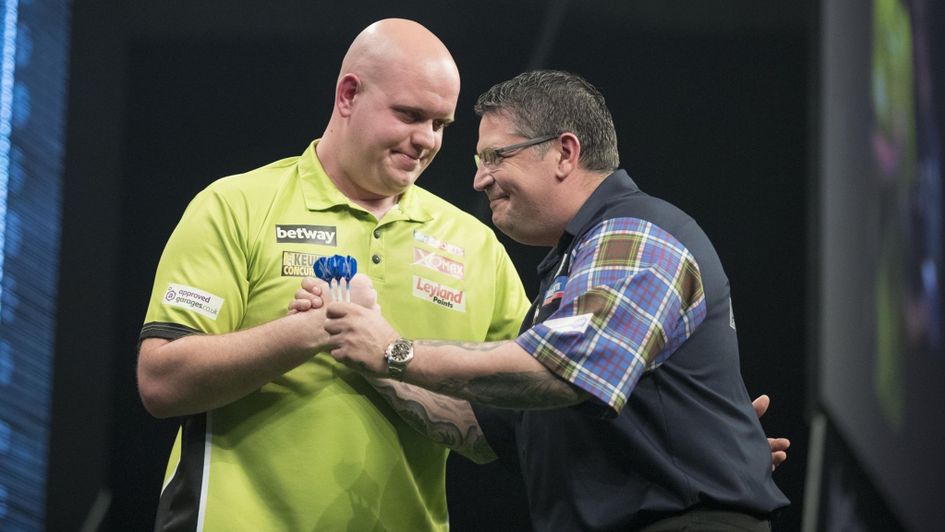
x: 399, y: 353
x: 400, y: 350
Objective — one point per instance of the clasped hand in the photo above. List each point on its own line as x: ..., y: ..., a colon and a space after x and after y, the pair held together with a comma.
x: 359, y: 334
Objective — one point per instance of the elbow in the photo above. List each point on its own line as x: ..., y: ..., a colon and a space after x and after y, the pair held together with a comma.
x: 156, y: 381
x: 480, y: 459
x: 479, y: 452
x: 155, y: 400
x: 156, y: 388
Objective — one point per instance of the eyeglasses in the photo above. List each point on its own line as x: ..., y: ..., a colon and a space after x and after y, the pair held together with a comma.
x: 492, y: 156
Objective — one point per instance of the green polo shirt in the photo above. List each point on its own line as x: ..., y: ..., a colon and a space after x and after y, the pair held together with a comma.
x: 318, y: 448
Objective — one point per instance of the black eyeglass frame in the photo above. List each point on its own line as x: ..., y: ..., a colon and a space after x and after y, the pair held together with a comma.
x: 491, y: 156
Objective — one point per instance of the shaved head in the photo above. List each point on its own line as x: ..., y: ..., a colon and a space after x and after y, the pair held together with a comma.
x: 397, y: 43
x: 396, y: 92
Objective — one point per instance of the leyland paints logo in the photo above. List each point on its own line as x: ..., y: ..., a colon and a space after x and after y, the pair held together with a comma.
x: 190, y: 298
x: 438, y: 263
x: 307, y: 234
x: 440, y: 294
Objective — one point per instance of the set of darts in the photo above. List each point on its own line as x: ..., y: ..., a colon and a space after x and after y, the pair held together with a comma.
x: 335, y: 269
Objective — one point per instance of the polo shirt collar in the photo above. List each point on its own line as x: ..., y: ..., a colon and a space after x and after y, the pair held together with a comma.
x: 615, y: 185
x: 321, y: 194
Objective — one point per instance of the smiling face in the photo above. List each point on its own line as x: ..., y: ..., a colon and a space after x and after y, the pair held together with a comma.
x: 520, y: 186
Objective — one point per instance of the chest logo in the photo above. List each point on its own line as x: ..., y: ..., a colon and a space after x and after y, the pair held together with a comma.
x: 556, y: 291
x: 295, y: 264
x: 324, y: 235
x: 438, y: 263
x: 442, y: 295
x: 438, y: 244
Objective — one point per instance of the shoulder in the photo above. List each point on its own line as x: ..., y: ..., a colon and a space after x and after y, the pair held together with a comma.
x: 633, y: 239
x: 250, y: 189
x: 659, y: 216
x: 257, y: 180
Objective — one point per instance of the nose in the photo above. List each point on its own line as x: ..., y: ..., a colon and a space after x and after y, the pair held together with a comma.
x: 482, y: 179
x: 425, y: 136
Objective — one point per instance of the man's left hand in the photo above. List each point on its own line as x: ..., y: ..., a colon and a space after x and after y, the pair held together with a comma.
x: 778, y: 446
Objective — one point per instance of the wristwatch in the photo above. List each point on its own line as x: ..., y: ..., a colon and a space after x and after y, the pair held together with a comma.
x: 398, y: 354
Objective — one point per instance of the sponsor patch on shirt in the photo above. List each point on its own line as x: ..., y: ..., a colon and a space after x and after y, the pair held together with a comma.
x: 324, y: 235
x: 571, y: 324
x: 297, y: 264
x: 438, y: 263
x: 439, y: 244
x: 442, y: 295
x: 195, y: 299
x: 555, y: 291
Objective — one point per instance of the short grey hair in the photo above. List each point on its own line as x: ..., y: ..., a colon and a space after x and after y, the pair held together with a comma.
x: 545, y: 102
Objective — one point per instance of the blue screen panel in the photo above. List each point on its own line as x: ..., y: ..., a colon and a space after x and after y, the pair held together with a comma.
x: 33, y: 70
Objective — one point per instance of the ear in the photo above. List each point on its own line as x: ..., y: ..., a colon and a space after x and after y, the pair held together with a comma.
x: 348, y: 87
x: 569, y: 155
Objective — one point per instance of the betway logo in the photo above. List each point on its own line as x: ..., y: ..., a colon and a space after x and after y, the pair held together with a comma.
x: 307, y: 234
x: 440, y: 294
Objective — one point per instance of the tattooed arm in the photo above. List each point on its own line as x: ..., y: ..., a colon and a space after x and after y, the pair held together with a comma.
x: 499, y: 374
x: 443, y: 419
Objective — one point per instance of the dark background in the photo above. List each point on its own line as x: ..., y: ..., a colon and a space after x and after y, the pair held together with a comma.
x: 713, y: 103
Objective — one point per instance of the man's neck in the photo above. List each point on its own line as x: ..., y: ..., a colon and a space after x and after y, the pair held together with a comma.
x: 373, y: 203
x: 378, y: 207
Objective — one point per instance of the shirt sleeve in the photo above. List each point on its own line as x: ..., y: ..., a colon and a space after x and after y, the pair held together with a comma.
x: 201, y: 281
x: 634, y: 294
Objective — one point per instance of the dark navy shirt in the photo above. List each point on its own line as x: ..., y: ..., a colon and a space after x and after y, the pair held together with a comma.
x: 685, y: 436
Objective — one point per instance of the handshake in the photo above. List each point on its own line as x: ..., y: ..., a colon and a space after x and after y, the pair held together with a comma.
x: 357, y: 333
x: 316, y: 293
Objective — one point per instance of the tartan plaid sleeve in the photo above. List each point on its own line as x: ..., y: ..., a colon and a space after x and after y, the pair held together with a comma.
x: 633, y: 296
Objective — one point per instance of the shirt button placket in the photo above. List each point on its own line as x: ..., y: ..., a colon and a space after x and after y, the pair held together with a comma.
x: 377, y: 254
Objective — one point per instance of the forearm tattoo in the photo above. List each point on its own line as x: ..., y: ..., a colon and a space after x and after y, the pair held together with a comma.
x: 444, y: 420
x: 520, y: 390
x: 468, y: 346
x: 523, y: 390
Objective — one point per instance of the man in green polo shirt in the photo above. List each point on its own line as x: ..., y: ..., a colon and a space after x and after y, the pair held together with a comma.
x: 273, y: 437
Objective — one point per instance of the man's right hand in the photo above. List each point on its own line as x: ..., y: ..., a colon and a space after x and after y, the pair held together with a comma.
x: 314, y: 293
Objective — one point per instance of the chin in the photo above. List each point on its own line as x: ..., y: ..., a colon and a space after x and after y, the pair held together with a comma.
x: 402, y: 177
x: 405, y: 184
x: 520, y: 235
x: 509, y: 229
x: 396, y: 184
